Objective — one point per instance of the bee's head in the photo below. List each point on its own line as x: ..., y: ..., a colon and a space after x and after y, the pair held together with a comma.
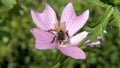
x: 60, y: 28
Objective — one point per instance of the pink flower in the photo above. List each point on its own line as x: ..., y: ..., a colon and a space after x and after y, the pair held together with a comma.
x: 50, y: 34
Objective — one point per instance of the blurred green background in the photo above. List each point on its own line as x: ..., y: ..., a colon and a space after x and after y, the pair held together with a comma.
x: 17, y: 43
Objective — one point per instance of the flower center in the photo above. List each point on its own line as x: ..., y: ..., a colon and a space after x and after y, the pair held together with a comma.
x: 61, y: 35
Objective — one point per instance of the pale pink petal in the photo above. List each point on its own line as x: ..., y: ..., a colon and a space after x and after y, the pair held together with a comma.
x: 43, y: 39
x: 78, y: 23
x: 73, y: 52
x: 73, y: 22
x: 46, y: 19
x: 68, y: 16
x: 78, y: 38
x: 88, y: 42
x: 92, y: 43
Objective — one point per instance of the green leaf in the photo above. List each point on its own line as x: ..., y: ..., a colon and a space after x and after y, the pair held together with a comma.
x: 99, y: 3
x: 116, y: 21
x: 9, y: 3
x: 116, y: 15
x: 98, y: 30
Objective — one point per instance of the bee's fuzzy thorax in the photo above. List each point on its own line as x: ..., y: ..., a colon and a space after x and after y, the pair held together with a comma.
x: 61, y: 35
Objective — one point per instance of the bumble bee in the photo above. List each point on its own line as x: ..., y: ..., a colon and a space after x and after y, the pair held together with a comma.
x: 61, y: 35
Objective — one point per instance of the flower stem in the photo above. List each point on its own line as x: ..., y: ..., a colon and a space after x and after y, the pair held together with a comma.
x: 56, y: 59
x: 60, y: 58
x: 64, y: 59
x: 83, y: 41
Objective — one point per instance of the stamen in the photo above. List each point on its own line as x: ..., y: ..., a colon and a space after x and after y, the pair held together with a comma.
x: 56, y: 25
x: 63, y: 25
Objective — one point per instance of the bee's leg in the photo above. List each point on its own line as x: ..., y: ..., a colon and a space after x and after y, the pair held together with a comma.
x: 67, y: 34
x: 51, y: 31
x: 53, y: 39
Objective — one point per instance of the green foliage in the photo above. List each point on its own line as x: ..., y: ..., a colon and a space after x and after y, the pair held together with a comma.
x: 99, y: 3
x: 98, y: 30
x: 17, y: 43
x: 110, y: 10
x: 9, y: 3
x: 116, y: 21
